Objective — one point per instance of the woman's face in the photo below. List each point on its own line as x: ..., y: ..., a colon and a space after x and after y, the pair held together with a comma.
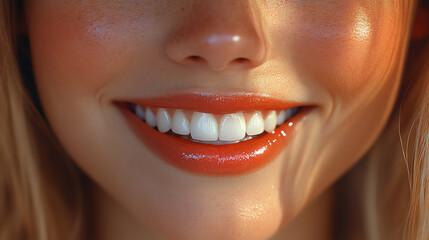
x: 340, y: 61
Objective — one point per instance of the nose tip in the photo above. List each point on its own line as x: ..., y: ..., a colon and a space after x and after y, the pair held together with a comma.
x: 218, y: 43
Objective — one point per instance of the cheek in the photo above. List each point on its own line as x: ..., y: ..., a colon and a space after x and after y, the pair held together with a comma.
x: 345, y: 47
x: 80, y: 46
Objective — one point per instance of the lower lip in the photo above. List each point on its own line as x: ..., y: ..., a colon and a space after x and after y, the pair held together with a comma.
x: 232, y: 159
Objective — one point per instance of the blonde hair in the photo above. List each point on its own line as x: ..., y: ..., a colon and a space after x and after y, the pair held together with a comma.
x: 42, y: 193
x: 416, y: 154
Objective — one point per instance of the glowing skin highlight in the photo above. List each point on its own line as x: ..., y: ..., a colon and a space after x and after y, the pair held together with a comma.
x: 342, y: 57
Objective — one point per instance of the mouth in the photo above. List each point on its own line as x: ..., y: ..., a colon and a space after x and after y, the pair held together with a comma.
x: 214, y: 134
x: 215, y: 129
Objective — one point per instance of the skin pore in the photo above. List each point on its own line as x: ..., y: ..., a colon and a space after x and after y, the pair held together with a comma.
x: 342, y: 57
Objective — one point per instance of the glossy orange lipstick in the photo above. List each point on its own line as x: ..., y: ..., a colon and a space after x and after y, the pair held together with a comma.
x: 200, y: 158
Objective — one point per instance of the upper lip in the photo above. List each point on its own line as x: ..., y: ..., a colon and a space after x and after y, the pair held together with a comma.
x: 216, y: 103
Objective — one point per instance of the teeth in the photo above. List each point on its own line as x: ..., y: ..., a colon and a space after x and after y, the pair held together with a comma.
x: 204, y: 127
x: 270, y: 121
x: 180, y: 123
x: 150, y: 118
x: 140, y: 112
x: 281, y: 118
x: 255, y: 125
x: 163, y: 121
x: 232, y: 127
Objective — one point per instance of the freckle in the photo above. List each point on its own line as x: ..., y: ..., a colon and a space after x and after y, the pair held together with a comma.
x: 183, y: 9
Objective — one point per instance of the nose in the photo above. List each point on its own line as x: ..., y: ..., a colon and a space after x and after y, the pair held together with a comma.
x: 218, y: 36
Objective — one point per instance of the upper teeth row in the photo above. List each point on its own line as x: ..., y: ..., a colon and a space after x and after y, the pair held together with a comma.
x: 205, y: 127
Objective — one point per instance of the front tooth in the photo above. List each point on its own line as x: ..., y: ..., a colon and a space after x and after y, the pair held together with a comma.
x: 281, y: 117
x: 232, y: 127
x: 255, y: 125
x: 139, y: 112
x: 270, y: 121
x: 150, y: 118
x: 204, y: 127
x: 163, y: 120
x: 180, y: 123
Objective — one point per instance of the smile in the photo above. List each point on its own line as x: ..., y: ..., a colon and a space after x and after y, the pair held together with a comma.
x: 216, y: 129
x: 214, y: 134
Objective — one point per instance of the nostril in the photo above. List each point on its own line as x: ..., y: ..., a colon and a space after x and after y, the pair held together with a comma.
x: 241, y: 60
x: 196, y: 58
